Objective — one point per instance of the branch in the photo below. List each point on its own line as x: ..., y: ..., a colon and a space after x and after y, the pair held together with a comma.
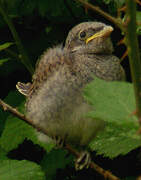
x: 15, y: 112
x: 25, y: 60
x: 12, y: 54
x: 116, y: 21
x: 133, y: 52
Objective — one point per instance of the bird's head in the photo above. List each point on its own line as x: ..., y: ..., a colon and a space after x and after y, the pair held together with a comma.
x: 90, y: 37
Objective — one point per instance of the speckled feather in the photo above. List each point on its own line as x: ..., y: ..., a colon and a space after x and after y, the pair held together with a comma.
x: 50, y: 62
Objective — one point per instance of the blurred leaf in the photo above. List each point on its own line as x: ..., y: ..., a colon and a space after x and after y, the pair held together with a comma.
x: 5, y: 45
x: 139, y: 30
x: 138, y: 18
x: 43, y: 6
x: 2, y: 154
x: 3, y: 61
x: 48, y: 29
x: 54, y: 160
x: 9, y: 67
x: 53, y: 7
x: 20, y: 170
x: 130, y: 178
x: 107, y: 1
x: 16, y: 130
x: 119, y: 3
x: 60, y: 9
x: 27, y: 7
x: 113, y: 102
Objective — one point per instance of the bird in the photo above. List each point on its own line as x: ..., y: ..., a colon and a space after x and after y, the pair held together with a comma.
x: 54, y: 98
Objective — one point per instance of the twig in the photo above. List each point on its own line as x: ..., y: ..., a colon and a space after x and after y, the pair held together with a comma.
x: 25, y: 60
x: 116, y: 21
x: 100, y: 170
x: 15, y: 112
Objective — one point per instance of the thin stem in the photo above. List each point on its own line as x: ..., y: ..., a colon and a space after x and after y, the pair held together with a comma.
x: 15, y: 112
x: 25, y: 60
x: 133, y: 52
x: 12, y: 54
x: 116, y: 21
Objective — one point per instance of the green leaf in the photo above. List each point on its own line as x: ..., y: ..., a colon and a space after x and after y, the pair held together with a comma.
x: 13, y: 99
x: 3, y: 61
x: 16, y: 130
x: 138, y: 19
x: 42, y: 5
x: 2, y: 154
x: 59, y: 9
x: 113, y: 102
x: 27, y: 7
x: 14, y: 133
x: 107, y: 1
x: 119, y: 3
x: 5, y: 45
x: 138, y: 16
x: 56, y: 159
x: 20, y: 170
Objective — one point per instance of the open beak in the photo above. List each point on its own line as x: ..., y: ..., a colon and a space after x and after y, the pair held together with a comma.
x: 103, y: 33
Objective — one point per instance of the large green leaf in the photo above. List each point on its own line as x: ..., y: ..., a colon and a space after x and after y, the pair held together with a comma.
x: 20, y: 170
x: 113, y: 102
x: 14, y: 133
x: 15, y: 100
x: 2, y: 154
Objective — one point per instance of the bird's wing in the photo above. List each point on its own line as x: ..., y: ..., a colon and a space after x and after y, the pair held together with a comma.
x: 49, y: 63
x: 24, y: 88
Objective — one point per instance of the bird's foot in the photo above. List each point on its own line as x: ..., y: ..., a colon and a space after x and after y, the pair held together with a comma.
x: 83, y: 161
x: 59, y: 141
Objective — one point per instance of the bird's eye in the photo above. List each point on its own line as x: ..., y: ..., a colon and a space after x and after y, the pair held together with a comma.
x: 82, y: 35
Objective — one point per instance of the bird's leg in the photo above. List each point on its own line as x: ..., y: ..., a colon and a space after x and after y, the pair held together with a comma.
x: 83, y: 161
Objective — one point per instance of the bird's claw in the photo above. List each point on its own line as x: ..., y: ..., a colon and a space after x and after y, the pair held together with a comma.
x: 59, y: 141
x: 83, y: 161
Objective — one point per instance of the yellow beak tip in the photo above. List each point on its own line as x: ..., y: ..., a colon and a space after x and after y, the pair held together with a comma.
x: 103, y: 33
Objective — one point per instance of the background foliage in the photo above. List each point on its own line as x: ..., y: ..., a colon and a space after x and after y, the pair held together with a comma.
x: 42, y: 24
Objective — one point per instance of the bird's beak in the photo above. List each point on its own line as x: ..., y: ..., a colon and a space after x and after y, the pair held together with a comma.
x: 103, y: 33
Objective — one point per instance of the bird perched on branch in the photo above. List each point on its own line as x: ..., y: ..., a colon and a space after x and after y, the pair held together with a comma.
x: 54, y: 98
